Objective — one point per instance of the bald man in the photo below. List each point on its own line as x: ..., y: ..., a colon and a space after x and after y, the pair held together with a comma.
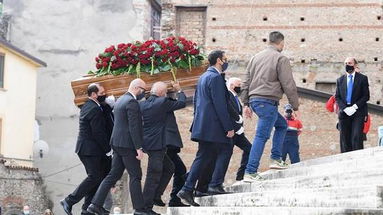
x: 126, y: 142
x: 154, y: 111
x: 352, y: 94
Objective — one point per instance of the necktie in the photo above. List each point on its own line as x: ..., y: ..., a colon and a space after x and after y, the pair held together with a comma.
x: 238, y: 104
x: 349, y: 89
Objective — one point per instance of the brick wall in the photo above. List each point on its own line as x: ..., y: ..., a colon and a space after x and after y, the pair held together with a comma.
x: 191, y: 23
x: 319, y: 35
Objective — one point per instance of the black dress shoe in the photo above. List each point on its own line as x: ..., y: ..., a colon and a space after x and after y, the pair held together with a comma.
x: 200, y: 194
x: 152, y: 212
x: 159, y: 202
x: 94, y: 209
x: 177, y: 204
x: 85, y: 212
x: 66, y: 206
x: 140, y: 212
x: 187, y: 196
x: 216, y: 190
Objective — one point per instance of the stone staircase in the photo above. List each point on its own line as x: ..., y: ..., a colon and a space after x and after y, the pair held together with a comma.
x: 349, y: 183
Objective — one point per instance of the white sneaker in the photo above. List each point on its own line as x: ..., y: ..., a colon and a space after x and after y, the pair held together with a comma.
x: 278, y: 164
x: 254, y: 177
x: 237, y: 183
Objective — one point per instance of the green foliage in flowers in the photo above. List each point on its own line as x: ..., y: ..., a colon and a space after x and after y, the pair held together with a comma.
x: 152, y: 56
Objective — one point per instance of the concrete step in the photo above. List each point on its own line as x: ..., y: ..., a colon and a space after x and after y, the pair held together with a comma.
x: 369, y: 152
x: 349, y: 197
x: 273, y: 211
x: 371, y: 176
x: 360, y: 164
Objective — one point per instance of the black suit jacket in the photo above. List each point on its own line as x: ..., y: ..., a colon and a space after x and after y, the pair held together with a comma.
x: 172, y: 133
x: 93, y: 137
x: 360, y: 94
x: 127, y: 130
x: 154, y: 111
x: 109, y: 118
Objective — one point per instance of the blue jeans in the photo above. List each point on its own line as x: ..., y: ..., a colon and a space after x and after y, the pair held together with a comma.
x: 291, y: 148
x: 269, y: 117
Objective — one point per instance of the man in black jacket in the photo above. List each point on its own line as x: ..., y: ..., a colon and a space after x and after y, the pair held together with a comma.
x: 126, y: 141
x: 174, y: 145
x: 154, y: 111
x: 92, y: 147
x: 239, y: 139
x: 352, y: 94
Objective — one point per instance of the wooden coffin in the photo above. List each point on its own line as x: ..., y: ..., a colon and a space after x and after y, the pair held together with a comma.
x: 118, y: 85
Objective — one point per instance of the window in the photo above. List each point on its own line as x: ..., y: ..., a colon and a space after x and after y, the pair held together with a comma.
x: 1, y: 70
x: 155, y: 21
x: 1, y: 129
x: 1, y: 7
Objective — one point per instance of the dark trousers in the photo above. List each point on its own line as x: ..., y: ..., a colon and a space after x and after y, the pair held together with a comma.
x: 123, y: 158
x: 244, y: 144
x: 207, y: 153
x: 96, y: 167
x: 179, y: 173
x: 160, y: 171
x: 291, y: 148
x: 241, y: 142
x: 351, y: 131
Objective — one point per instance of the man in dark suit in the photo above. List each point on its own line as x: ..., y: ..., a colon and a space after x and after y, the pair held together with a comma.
x: 352, y: 94
x: 92, y: 147
x: 239, y: 139
x: 154, y: 111
x: 212, y: 127
x: 126, y: 142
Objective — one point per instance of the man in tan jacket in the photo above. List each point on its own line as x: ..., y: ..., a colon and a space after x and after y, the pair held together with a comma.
x: 268, y: 76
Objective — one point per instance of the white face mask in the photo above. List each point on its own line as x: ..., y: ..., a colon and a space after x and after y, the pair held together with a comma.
x: 26, y: 212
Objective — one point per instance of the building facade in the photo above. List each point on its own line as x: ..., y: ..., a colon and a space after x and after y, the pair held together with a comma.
x: 18, y: 73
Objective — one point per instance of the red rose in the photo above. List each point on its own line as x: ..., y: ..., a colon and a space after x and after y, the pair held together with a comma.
x: 106, y: 59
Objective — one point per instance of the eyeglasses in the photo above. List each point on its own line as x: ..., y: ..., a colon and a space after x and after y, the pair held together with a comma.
x: 142, y: 88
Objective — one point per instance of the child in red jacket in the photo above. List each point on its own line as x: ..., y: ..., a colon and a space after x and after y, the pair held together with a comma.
x: 291, y: 143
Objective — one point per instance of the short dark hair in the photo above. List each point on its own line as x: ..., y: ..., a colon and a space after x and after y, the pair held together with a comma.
x: 276, y: 37
x: 93, y: 88
x: 214, y: 55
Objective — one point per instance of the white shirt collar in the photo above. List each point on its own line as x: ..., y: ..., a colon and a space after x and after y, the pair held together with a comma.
x: 234, y: 93
x: 219, y: 72
x: 95, y: 101
x: 134, y: 96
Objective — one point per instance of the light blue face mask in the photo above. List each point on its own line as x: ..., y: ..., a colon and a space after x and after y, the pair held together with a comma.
x: 26, y: 212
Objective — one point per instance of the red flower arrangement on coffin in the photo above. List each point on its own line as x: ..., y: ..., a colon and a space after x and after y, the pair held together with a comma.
x: 151, y: 56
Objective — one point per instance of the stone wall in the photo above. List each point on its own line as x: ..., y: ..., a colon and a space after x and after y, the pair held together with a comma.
x: 22, y: 186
